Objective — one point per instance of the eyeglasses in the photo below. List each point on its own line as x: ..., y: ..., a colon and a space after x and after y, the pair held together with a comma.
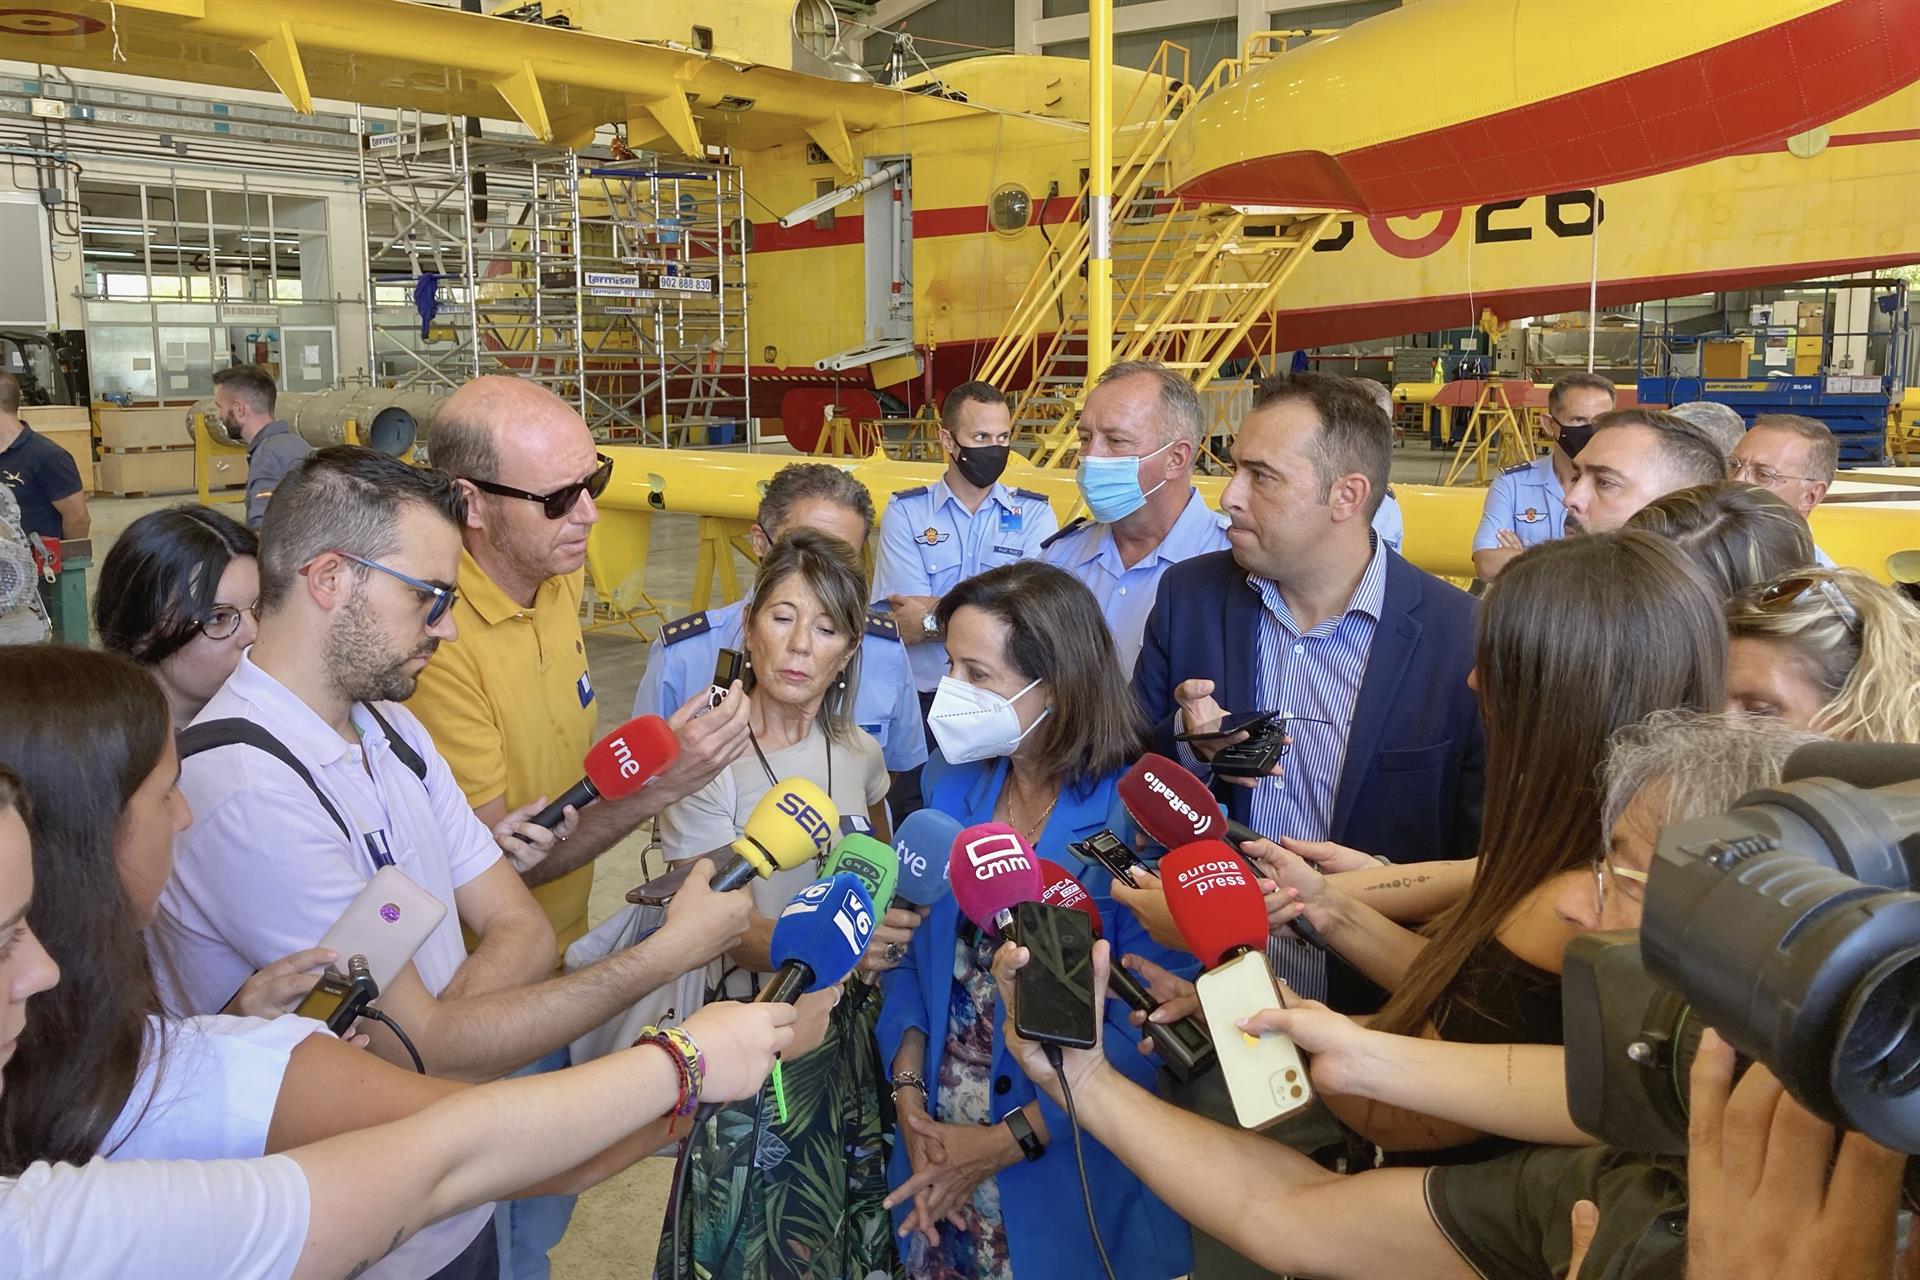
x: 1787, y: 592
x: 224, y: 619
x: 442, y: 598
x: 1764, y: 476
x: 560, y: 501
x: 1603, y: 868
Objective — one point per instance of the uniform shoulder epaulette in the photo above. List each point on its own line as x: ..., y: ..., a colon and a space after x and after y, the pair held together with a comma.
x: 1514, y: 471
x: 914, y: 492
x: 1032, y: 495
x: 880, y: 623
x: 1072, y: 526
x: 694, y: 624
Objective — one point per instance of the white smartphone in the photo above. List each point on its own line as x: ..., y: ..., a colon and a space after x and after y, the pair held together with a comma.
x: 386, y: 923
x: 1264, y: 1074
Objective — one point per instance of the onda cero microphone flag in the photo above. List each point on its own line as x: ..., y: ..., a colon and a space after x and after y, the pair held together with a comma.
x: 617, y: 766
x: 1219, y: 911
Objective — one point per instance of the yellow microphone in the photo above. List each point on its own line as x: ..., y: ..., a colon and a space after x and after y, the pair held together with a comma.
x: 793, y: 822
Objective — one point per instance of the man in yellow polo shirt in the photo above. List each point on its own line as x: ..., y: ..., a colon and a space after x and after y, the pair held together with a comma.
x: 510, y: 703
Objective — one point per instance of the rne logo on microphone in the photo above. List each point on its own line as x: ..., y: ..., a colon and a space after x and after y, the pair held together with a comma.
x: 996, y: 854
x: 629, y: 767
x: 1175, y: 803
x: 810, y: 819
x: 1219, y: 874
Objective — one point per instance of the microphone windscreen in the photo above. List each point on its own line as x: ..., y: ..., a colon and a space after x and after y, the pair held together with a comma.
x: 1062, y: 890
x: 993, y: 870
x: 1171, y: 805
x: 874, y: 864
x: 1215, y: 902
x: 631, y: 756
x: 1863, y: 764
x: 825, y: 927
x: 793, y: 822
x: 923, y: 842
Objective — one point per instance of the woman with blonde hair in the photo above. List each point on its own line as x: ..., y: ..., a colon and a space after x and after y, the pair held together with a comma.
x: 1738, y: 535
x: 1829, y: 650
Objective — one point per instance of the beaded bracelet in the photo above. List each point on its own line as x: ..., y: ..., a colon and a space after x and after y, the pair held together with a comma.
x: 689, y: 1063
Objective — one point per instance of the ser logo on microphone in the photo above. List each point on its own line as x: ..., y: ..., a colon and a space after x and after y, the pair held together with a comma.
x: 810, y: 819
x: 996, y: 854
x: 1218, y: 874
x: 1175, y: 803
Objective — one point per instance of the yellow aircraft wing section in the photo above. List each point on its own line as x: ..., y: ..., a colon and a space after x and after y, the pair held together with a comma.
x: 561, y: 84
x: 1431, y: 107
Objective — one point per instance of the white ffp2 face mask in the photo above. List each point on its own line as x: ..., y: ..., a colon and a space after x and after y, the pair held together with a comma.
x: 971, y: 723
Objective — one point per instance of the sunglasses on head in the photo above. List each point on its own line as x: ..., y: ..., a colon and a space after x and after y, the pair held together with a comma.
x: 1787, y: 592
x: 561, y: 500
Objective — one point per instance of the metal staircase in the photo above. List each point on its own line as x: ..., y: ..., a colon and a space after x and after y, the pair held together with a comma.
x: 1190, y: 282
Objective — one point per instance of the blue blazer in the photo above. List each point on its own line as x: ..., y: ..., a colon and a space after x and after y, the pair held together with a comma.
x: 1046, y: 1220
x: 1410, y: 789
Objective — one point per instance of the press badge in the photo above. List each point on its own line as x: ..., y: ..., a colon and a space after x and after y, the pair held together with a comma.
x: 378, y: 849
x: 855, y: 824
x: 584, y: 687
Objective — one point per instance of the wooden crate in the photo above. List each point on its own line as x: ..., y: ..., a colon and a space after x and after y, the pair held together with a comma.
x: 124, y: 430
x: 79, y: 443
x: 49, y: 418
x: 154, y: 471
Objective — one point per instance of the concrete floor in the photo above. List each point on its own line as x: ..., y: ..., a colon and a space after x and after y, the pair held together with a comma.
x: 616, y: 1226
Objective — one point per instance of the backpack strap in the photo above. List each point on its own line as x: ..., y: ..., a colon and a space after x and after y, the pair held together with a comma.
x: 209, y: 734
x: 402, y: 750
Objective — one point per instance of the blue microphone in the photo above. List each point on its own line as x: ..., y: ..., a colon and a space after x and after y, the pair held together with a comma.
x: 819, y: 938
x: 924, y: 843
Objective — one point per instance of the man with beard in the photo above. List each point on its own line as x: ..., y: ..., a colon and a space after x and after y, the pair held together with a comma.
x: 328, y: 780
x: 244, y: 398
x: 1632, y: 457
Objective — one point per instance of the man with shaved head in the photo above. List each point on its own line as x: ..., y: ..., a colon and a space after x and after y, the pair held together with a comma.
x: 509, y: 702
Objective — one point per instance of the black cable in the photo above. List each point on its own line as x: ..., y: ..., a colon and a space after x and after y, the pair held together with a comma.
x: 1079, y: 1156
x: 391, y: 1025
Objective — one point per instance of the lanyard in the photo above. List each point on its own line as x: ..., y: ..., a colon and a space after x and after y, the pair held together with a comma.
x: 773, y: 781
x: 379, y: 849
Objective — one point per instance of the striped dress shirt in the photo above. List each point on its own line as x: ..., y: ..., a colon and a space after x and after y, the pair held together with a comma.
x: 1314, y: 675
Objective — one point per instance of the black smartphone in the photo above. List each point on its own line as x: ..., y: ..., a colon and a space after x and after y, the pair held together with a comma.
x: 659, y: 891
x: 1240, y: 722
x: 1053, y: 994
x: 1255, y: 757
x: 1110, y: 851
x: 726, y: 669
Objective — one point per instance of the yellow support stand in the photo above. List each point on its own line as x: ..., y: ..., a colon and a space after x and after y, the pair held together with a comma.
x: 719, y: 539
x: 617, y: 568
x: 1495, y: 432
x: 209, y: 453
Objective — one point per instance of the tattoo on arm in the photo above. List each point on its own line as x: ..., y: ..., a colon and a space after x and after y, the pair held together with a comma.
x: 1509, y: 1066
x: 365, y: 1265
x: 1399, y: 882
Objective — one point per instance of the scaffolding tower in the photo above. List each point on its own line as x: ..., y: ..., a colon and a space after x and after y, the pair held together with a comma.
x: 620, y: 284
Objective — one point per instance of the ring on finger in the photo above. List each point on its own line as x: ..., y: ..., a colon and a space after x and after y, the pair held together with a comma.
x: 893, y: 953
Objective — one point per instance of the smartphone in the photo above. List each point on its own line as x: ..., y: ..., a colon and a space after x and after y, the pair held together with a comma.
x: 1053, y: 995
x: 1107, y: 850
x: 659, y: 891
x: 726, y: 669
x: 1264, y: 1074
x: 386, y: 923
x: 1239, y: 722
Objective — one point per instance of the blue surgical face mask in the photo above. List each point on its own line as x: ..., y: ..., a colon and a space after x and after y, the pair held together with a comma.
x: 1111, y: 486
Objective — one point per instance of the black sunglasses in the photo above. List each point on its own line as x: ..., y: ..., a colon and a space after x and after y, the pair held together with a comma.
x: 1788, y: 592
x: 562, y: 500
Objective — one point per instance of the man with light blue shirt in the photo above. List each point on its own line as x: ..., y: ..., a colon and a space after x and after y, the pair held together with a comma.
x: 1527, y: 504
x: 806, y: 495
x: 962, y: 524
x: 1140, y: 432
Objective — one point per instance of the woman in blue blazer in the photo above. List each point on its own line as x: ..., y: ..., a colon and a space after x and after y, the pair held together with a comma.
x: 1037, y: 725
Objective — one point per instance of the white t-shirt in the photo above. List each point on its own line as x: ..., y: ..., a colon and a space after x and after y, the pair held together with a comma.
x: 715, y: 815
x: 221, y: 1219
x: 264, y: 872
x: 219, y: 1081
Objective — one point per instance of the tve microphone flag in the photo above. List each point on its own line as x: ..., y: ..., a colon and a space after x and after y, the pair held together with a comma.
x: 819, y: 938
x: 924, y: 842
x: 617, y: 766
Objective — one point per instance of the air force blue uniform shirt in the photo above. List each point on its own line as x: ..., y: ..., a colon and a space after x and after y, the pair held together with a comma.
x: 929, y: 542
x: 884, y: 703
x: 1526, y: 499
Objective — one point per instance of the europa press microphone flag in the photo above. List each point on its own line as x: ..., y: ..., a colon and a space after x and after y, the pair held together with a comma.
x: 1218, y: 909
x: 924, y: 841
x: 1182, y: 1045
x: 993, y: 871
x: 617, y: 766
x: 819, y: 938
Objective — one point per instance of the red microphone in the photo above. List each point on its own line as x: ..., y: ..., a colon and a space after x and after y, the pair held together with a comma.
x: 1182, y: 1045
x: 993, y: 871
x: 1219, y: 911
x: 618, y: 765
x: 1175, y: 808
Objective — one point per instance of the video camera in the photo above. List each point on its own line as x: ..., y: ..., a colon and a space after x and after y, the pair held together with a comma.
x: 1791, y: 926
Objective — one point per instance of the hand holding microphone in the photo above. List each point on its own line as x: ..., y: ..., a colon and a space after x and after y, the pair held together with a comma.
x: 702, y: 922
x: 791, y: 824
x: 877, y: 867
x: 618, y: 765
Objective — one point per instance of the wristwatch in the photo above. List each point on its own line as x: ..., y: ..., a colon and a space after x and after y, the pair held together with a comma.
x: 1031, y: 1148
x: 930, y: 625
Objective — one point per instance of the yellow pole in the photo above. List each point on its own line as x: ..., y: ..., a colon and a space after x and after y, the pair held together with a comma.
x: 1100, y: 190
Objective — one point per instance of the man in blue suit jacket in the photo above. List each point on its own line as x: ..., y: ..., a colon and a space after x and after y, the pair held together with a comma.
x: 1310, y: 614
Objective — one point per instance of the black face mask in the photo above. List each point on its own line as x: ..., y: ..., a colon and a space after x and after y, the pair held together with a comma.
x: 1574, y: 439
x: 982, y: 464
